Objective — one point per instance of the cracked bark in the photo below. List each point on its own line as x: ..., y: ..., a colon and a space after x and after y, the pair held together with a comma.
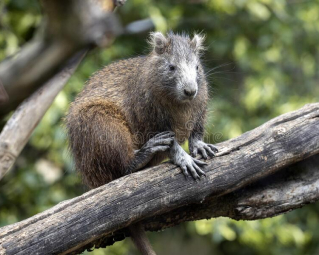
x: 236, y: 186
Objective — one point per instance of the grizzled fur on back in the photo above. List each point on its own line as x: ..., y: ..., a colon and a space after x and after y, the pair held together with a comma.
x: 129, y: 101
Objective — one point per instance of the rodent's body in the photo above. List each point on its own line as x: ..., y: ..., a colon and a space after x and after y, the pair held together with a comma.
x: 119, y: 99
x: 113, y: 121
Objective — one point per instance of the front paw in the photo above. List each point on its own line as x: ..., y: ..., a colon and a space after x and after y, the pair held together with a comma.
x: 205, y: 149
x: 159, y: 143
x: 189, y: 165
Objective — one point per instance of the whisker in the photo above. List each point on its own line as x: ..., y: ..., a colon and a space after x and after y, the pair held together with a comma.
x: 226, y: 72
x: 221, y: 77
x: 222, y: 65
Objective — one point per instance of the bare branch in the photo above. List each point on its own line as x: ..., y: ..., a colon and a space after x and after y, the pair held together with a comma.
x: 73, y: 224
x: 22, y: 74
x: 283, y: 191
x: 68, y: 27
x: 288, y: 189
x: 18, y: 129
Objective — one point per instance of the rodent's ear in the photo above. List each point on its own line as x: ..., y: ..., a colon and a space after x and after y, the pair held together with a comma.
x: 158, y: 42
x: 197, y: 42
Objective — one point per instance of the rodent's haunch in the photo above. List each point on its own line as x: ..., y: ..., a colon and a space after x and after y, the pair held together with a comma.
x: 136, y: 112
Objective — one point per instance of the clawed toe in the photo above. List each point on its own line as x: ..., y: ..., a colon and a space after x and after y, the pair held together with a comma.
x: 193, y: 169
x: 213, y: 147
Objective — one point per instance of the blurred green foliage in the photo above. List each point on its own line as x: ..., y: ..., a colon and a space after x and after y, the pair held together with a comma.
x: 262, y: 60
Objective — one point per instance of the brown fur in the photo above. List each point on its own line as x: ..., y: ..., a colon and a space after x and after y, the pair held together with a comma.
x: 114, y: 115
x: 126, y: 103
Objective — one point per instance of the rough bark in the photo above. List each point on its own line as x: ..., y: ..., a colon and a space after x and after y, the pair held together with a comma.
x: 281, y: 192
x: 73, y: 224
x: 285, y: 190
x: 56, y: 41
x: 18, y: 129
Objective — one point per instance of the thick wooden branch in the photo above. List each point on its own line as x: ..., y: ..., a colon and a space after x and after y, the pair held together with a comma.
x: 73, y: 224
x: 69, y: 26
x: 283, y: 191
x: 18, y: 129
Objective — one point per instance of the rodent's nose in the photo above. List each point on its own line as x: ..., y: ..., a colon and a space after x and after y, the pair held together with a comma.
x: 189, y: 93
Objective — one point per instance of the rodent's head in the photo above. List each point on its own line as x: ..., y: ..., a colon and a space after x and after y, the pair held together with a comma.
x: 177, y: 62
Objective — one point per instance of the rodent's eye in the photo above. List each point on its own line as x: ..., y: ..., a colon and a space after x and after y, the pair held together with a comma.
x: 197, y: 67
x: 171, y: 67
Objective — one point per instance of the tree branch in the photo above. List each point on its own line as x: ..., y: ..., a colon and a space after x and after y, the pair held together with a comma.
x: 92, y: 23
x: 283, y: 191
x: 18, y: 129
x: 56, y: 41
x: 73, y: 224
